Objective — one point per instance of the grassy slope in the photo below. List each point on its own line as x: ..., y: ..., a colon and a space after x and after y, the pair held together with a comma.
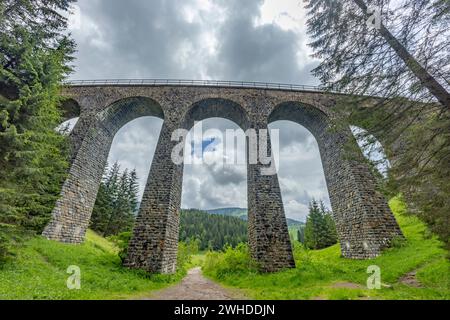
x: 39, y: 272
x: 317, y: 271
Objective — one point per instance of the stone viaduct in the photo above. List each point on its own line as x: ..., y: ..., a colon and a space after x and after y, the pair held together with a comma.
x: 364, y: 221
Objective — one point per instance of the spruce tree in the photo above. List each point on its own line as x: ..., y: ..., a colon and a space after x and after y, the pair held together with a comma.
x: 34, y: 60
x: 320, y: 231
x: 331, y: 234
x: 116, y: 203
x: 133, y: 190
x: 315, y: 227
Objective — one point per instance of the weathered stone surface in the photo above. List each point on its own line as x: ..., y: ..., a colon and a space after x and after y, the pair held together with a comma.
x: 155, y: 236
x: 364, y: 222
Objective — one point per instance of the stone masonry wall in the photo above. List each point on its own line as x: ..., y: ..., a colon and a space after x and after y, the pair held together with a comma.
x: 364, y: 222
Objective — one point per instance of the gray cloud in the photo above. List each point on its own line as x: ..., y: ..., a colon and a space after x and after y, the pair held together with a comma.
x: 134, y: 39
x: 257, y: 53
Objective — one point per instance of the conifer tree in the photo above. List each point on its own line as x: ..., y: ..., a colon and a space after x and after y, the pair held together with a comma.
x: 116, y: 203
x: 212, y: 232
x: 35, y: 54
x: 320, y: 231
x: 398, y: 52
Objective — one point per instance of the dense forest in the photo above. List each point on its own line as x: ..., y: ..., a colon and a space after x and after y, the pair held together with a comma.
x: 212, y: 231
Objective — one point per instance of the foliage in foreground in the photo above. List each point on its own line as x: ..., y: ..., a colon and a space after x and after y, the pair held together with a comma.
x: 232, y: 261
x: 39, y: 272
x: 325, y: 274
x: 407, y: 69
x: 11, y: 239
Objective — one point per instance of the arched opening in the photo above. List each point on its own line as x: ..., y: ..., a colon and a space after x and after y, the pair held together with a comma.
x: 300, y: 169
x: 300, y: 172
x: 80, y: 189
x: 214, y: 191
x: 125, y: 176
x: 364, y: 223
x: 70, y: 109
x: 70, y: 113
x: 372, y: 150
x: 134, y: 145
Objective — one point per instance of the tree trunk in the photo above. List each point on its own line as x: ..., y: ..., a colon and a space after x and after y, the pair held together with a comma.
x: 426, y: 79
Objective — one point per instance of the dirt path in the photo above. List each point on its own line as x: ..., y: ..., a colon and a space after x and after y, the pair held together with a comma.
x: 196, y: 287
x: 411, y: 280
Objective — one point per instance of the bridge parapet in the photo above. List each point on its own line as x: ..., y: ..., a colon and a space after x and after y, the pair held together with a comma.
x: 198, y: 83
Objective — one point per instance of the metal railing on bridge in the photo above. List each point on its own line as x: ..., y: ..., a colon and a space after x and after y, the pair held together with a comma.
x: 205, y: 83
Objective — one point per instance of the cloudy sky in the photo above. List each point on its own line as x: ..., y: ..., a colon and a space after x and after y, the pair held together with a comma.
x: 251, y: 40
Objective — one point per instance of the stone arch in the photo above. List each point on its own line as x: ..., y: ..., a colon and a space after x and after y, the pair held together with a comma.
x: 363, y: 219
x: 72, y: 212
x: 215, y: 108
x: 268, y: 235
x: 312, y: 118
x: 154, y: 244
x: 391, y: 148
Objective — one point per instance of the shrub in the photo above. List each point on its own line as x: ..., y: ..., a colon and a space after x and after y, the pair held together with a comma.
x: 230, y: 261
x: 398, y: 242
x: 11, y: 237
x: 185, y: 252
x: 121, y: 241
x: 4, y: 249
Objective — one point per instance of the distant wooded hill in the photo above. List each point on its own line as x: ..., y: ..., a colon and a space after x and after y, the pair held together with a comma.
x: 211, y: 231
x: 239, y: 213
x: 242, y: 213
x: 217, y: 227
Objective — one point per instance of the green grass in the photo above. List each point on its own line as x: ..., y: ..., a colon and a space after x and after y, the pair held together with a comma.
x: 317, y: 271
x: 197, y: 260
x: 39, y: 272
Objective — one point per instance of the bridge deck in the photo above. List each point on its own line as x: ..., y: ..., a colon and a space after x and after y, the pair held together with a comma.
x: 197, y: 83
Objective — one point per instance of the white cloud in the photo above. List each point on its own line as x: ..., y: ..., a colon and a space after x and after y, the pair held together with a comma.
x: 298, y: 211
x: 134, y: 146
